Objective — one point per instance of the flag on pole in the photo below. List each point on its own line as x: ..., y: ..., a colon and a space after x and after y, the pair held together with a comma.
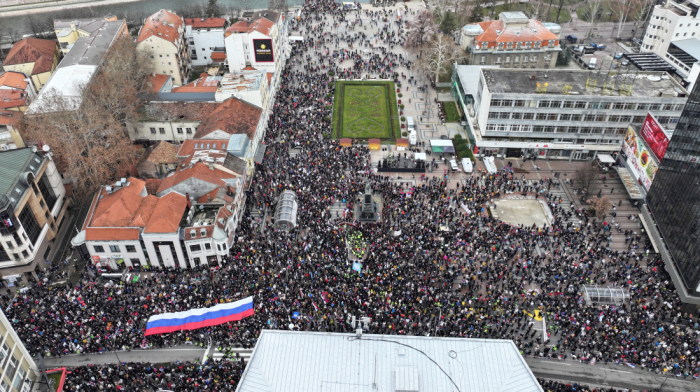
x: 200, y: 318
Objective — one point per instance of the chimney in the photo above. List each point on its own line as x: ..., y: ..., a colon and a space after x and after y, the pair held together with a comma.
x: 73, y: 26
x: 187, y: 196
x: 211, y: 166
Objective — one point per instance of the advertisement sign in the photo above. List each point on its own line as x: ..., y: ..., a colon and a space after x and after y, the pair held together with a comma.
x: 263, y: 50
x: 655, y: 136
x: 639, y: 159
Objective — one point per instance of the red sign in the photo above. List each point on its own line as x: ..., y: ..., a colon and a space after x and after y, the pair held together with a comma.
x: 655, y: 136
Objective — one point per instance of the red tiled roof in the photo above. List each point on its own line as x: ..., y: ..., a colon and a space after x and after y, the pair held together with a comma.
x: 533, y: 32
x: 12, y: 98
x: 238, y: 27
x: 162, y: 24
x: 152, y: 185
x: 33, y: 50
x: 218, y: 56
x: 199, y: 171
x: 190, y: 88
x: 118, y: 208
x: 14, y: 80
x: 188, y: 146
x: 261, y: 25
x: 167, y: 214
x: 249, y: 68
x: 155, y: 82
x: 10, y: 117
x: 199, y: 23
x: 233, y: 116
x: 111, y: 234
x: 163, y: 152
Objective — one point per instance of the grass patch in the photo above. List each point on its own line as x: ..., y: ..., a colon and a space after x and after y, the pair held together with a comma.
x: 451, y: 112
x: 55, y: 379
x: 365, y: 110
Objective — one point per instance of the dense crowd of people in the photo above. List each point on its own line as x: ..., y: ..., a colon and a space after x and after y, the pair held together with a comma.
x: 436, y: 264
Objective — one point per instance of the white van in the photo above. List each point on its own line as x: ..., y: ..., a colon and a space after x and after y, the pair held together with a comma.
x: 591, y: 64
x: 453, y: 165
x: 413, y: 138
x: 410, y: 124
x: 467, y: 165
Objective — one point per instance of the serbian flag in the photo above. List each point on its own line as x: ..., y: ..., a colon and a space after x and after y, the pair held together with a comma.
x: 200, y: 318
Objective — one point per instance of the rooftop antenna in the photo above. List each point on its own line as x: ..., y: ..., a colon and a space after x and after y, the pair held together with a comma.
x: 374, y: 379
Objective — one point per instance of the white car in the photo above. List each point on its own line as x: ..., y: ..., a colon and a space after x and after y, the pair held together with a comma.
x: 453, y: 165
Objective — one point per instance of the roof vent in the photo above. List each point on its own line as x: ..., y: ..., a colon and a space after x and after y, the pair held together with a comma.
x: 108, y: 188
x: 193, y: 233
x: 534, y: 31
x: 498, y: 32
x: 406, y: 379
x: 517, y: 32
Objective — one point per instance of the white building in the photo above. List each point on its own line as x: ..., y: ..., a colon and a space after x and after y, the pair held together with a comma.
x: 260, y: 43
x: 205, y: 37
x: 18, y: 371
x: 670, y: 22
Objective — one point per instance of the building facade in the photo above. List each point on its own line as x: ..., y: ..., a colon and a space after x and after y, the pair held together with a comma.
x: 261, y: 43
x: 19, y: 371
x: 205, y: 37
x: 32, y: 207
x: 16, y: 91
x: 163, y: 38
x: 674, y: 201
x: 670, y: 22
x: 560, y: 114
x: 10, y: 138
x: 512, y: 41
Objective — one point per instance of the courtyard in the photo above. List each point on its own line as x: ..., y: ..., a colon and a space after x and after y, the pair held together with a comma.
x: 364, y: 110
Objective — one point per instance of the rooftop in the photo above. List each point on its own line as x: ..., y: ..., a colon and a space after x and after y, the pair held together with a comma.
x: 33, y: 50
x: 686, y: 50
x: 14, y: 80
x: 163, y: 152
x: 644, y: 84
x: 204, y: 23
x: 14, y: 164
x: 163, y: 24
x: 91, y: 50
x: 261, y: 25
x: 340, y: 362
x: 156, y: 82
x: 205, y: 83
x: 233, y: 116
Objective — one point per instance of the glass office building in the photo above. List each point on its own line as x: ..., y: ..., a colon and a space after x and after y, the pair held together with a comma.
x: 674, y: 196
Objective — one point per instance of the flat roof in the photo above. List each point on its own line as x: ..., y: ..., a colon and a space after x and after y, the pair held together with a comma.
x: 511, y: 81
x: 339, y: 362
x: 469, y: 76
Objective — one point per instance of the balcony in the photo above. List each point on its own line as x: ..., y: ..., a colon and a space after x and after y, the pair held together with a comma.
x: 32, y: 254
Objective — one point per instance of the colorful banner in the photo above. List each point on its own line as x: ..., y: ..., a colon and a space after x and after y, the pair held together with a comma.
x: 200, y: 318
x: 655, y: 136
x: 262, y: 49
x: 639, y: 159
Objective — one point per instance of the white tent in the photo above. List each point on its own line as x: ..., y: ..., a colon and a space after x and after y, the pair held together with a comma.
x: 421, y: 156
x: 606, y: 158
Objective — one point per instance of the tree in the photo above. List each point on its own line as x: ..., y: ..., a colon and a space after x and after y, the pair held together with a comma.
x: 477, y: 13
x: 422, y: 30
x: 565, y: 55
x: 559, y: 8
x: 586, y: 180
x: 90, y: 141
x: 448, y: 23
x: 593, y: 14
x: 601, y: 206
x: 213, y: 10
x: 442, y: 53
x: 621, y: 9
x: 278, y: 5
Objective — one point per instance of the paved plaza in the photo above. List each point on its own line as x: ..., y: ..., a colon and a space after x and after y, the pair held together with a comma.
x: 522, y: 212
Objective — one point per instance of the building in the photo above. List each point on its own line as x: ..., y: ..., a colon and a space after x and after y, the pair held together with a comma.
x: 16, y: 89
x: 673, y: 203
x: 281, y: 361
x: 68, y: 31
x: 684, y: 56
x: 205, y: 37
x: 19, y: 371
x: 560, y: 113
x: 10, y: 137
x: 63, y: 90
x: 671, y: 21
x: 36, y: 58
x: 32, y: 207
x: 159, y: 84
x: 126, y: 227
x: 204, y: 84
x: 158, y: 160
x: 249, y: 85
x: 163, y: 38
x: 260, y: 43
x: 512, y: 41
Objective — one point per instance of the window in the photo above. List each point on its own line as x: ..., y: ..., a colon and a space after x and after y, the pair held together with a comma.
x: 534, y: 59
x: 207, y: 246
x: 517, y: 116
x: 179, y: 131
x: 19, y: 378
x: 31, y: 226
x: 99, y: 249
x: 483, y: 60
x: 153, y: 131
x: 541, y: 116
x: 162, y: 131
x: 114, y: 248
x: 25, y: 254
x: 537, y: 44
x: 12, y: 367
x: 188, y: 130
x: 516, y: 59
x: 130, y: 248
x: 580, y: 105
x: 510, y: 45
x: 565, y: 117
x: 195, y: 248
x: 135, y: 261
x: 519, y: 103
x: 498, y: 60
x: 528, y: 116
x: 500, y: 46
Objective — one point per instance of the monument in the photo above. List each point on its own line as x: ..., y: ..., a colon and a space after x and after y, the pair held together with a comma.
x: 368, y: 210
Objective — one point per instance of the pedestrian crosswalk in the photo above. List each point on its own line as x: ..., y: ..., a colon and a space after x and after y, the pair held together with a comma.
x: 239, y: 354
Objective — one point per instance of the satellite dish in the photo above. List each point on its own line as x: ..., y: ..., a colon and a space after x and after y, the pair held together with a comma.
x: 46, y: 148
x: 478, y: 47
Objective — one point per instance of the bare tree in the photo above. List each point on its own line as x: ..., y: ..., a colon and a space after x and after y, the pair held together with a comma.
x: 601, y: 206
x: 443, y: 52
x: 622, y: 9
x: 422, y: 29
x: 593, y: 13
x: 586, y: 180
x: 91, y: 141
x: 278, y: 5
x: 537, y: 10
x: 560, y: 5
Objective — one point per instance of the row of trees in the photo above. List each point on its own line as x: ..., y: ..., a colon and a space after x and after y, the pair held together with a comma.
x: 622, y: 11
x: 91, y: 142
x: 435, y: 51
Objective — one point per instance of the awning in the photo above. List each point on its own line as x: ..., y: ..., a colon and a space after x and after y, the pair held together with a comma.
x: 260, y: 154
x: 420, y: 156
x: 374, y: 144
x: 630, y: 183
x: 441, y: 146
x: 606, y: 158
x: 345, y: 142
x: 296, y: 38
x: 402, y: 142
x: 651, y: 237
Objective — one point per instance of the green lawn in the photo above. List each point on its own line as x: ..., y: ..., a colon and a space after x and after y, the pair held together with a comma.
x: 364, y: 110
x: 451, y: 112
x: 55, y: 378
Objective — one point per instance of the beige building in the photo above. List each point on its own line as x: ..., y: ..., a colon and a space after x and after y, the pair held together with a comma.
x: 19, y: 371
x: 36, y: 58
x: 512, y: 41
x: 163, y: 38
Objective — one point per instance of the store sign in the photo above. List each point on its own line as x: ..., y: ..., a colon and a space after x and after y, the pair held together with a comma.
x: 655, y: 136
x: 639, y: 159
x: 263, y: 50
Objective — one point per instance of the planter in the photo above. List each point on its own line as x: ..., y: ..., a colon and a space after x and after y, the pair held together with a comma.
x: 401, y: 113
x: 399, y: 102
x: 403, y: 125
x: 398, y: 90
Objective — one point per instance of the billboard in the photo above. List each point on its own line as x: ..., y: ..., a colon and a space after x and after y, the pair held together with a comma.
x: 263, y: 50
x: 639, y: 159
x: 655, y: 136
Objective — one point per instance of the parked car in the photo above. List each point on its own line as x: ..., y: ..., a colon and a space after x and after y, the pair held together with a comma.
x: 598, y: 46
x: 571, y: 38
x: 618, y: 56
x: 453, y: 165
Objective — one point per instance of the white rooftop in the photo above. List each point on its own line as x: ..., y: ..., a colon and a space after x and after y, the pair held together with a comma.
x: 287, y: 361
x: 63, y: 90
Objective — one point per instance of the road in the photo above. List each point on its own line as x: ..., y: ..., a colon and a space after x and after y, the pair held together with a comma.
x: 616, y: 376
